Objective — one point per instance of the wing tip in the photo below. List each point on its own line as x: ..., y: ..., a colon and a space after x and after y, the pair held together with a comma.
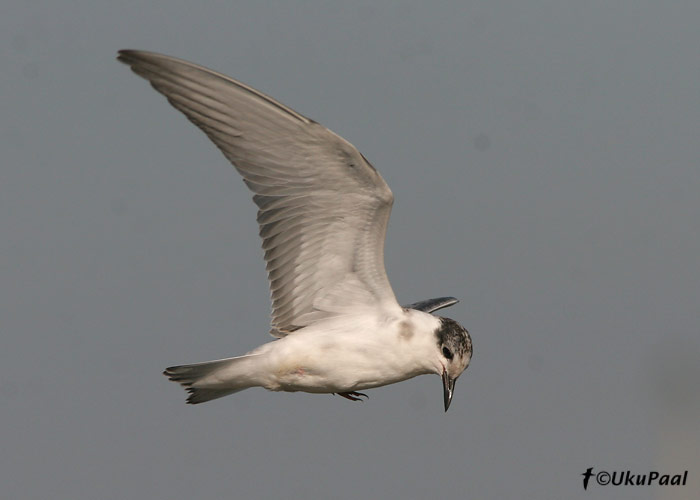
x: 432, y: 305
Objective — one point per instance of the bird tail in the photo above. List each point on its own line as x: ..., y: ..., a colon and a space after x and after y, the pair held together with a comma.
x: 213, y: 379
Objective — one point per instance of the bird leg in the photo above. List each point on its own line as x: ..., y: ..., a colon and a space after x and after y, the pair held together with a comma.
x: 353, y: 396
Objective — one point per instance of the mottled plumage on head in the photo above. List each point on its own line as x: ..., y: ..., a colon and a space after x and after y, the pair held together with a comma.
x: 455, y: 346
x: 455, y: 337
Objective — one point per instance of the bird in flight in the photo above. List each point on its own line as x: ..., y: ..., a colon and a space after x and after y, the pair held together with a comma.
x: 323, y: 212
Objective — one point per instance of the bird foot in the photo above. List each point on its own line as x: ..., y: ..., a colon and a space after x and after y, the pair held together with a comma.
x: 353, y: 396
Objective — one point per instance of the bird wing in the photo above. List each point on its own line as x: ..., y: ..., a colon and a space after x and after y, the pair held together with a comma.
x: 323, y: 208
x: 432, y: 305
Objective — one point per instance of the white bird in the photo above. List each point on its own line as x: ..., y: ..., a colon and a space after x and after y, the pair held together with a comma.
x: 323, y: 214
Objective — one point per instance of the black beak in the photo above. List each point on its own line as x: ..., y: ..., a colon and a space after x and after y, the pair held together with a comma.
x: 448, y: 387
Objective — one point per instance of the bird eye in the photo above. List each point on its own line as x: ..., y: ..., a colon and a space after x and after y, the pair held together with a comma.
x: 447, y: 353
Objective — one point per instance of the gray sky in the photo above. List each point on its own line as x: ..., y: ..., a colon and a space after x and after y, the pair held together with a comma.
x: 544, y: 157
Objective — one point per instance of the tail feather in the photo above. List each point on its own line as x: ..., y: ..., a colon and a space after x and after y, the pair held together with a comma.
x: 212, y: 379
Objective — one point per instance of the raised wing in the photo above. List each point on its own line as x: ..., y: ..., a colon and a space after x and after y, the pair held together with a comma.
x: 323, y: 209
x: 432, y: 305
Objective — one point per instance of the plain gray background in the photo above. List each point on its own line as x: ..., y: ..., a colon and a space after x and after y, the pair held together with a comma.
x: 544, y: 156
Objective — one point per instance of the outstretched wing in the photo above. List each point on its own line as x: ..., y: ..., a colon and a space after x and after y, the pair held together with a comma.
x: 432, y: 305
x: 323, y: 209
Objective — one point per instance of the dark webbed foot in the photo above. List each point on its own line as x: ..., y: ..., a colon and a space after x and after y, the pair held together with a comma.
x: 353, y: 396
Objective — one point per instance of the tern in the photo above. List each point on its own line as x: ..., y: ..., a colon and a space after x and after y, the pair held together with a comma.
x: 323, y: 212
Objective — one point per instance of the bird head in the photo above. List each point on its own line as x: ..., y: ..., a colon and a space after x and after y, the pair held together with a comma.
x: 455, y: 352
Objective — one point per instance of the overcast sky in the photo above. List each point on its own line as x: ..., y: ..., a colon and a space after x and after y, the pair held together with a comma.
x: 545, y: 160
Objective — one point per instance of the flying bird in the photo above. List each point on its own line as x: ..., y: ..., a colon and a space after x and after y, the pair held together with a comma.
x: 323, y: 212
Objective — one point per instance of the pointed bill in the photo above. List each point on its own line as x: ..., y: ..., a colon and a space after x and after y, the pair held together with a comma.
x: 448, y: 387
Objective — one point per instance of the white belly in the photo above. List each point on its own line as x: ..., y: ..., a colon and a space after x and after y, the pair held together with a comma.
x: 338, y: 362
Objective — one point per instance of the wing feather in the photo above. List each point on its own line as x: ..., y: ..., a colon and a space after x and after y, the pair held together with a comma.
x: 323, y: 209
